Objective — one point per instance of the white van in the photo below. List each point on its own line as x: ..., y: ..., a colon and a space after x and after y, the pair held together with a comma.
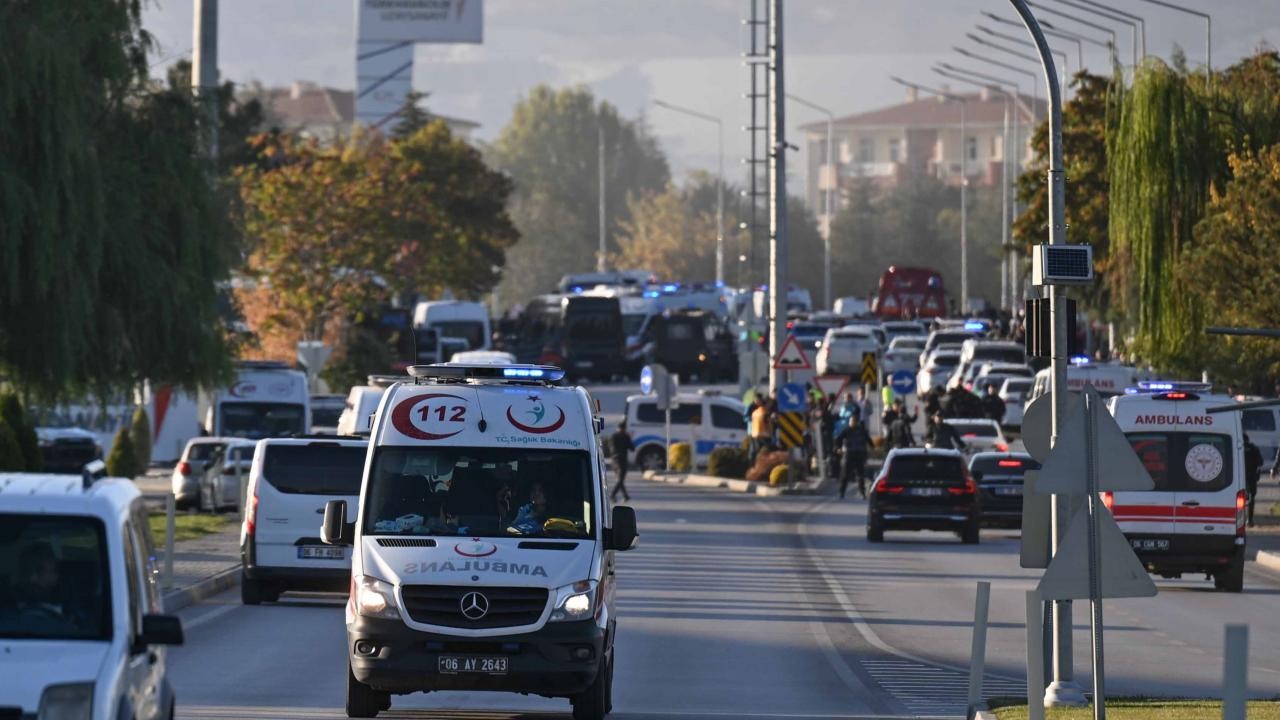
x: 81, y: 629
x: 1262, y: 426
x: 267, y: 399
x: 706, y: 420
x: 483, y: 542
x: 1194, y: 519
x: 1109, y: 379
x: 289, y: 484
x: 461, y: 319
x: 362, y: 403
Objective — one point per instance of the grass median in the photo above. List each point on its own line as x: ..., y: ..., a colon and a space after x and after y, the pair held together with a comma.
x: 187, y: 526
x: 1145, y: 709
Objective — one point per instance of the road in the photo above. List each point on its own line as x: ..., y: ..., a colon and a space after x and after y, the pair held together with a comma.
x: 750, y: 608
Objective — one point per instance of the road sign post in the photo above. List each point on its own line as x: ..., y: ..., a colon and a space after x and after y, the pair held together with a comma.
x: 903, y: 382
x: 791, y: 356
x: 870, y: 374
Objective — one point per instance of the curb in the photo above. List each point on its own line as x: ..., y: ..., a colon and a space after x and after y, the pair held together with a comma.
x: 742, y: 486
x: 1269, y: 560
x: 175, y: 600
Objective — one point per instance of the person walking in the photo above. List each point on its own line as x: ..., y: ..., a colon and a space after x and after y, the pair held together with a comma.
x: 762, y: 427
x: 1252, y: 473
x: 943, y: 436
x: 854, y: 441
x: 993, y: 405
x: 620, y: 443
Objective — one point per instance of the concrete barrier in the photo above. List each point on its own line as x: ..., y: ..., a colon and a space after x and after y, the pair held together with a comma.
x: 1269, y: 560
x: 731, y: 484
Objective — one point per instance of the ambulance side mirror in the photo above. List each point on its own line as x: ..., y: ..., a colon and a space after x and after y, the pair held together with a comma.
x: 623, y: 535
x: 335, y: 530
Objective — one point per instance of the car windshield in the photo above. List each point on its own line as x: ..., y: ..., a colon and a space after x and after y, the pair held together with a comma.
x: 315, y: 469
x: 480, y: 492
x: 203, y: 451
x: 256, y: 420
x: 470, y: 330
x: 1017, y: 386
x: 54, y: 578
x: 325, y: 416
x: 926, y: 469
x: 974, y: 429
x: 945, y: 360
x: 999, y: 354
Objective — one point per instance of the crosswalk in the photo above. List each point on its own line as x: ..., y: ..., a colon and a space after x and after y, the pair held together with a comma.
x: 931, y: 691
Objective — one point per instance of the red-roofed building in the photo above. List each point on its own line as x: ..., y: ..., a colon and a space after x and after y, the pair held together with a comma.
x: 920, y: 136
x: 326, y: 113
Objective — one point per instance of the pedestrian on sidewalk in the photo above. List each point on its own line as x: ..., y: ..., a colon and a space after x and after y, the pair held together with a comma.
x: 620, y: 443
x: 855, y: 442
x: 1252, y: 472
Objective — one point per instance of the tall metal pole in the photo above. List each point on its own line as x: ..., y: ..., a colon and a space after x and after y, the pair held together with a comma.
x: 601, y: 264
x: 777, y: 192
x: 829, y: 214
x: 1142, y: 23
x: 1208, y: 28
x: 1063, y: 690
x: 204, y: 69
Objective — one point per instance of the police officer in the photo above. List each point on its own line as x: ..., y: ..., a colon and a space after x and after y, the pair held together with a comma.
x: 620, y: 443
x: 1252, y: 471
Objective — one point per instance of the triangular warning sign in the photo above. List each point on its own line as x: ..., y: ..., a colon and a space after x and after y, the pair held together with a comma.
x: 831, y: 385
x: 791, y: 356
x: 1117, y: 464
x: 1120, y: 573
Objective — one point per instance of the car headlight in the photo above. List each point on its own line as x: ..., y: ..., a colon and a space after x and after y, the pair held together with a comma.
x: 576, y: 602
x: 70, y: 701
x: 375, y: 598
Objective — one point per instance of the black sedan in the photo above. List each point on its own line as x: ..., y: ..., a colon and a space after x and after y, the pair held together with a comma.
x: 1000, y: 487
x: 924, y: 489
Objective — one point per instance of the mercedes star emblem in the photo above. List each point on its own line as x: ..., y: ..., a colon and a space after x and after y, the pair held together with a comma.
x: 474, y: 606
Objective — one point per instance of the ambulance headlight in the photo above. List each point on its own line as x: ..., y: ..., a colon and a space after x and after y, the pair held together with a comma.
x: 375, y: 598
x: 578, y: 601
x: 70, y: 701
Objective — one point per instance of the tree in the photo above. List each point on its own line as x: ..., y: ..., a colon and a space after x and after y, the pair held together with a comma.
x: 140, y: 438
x: 11, y: 456
x: 413, y: 116
x: 673, y: 233
x: 24, y: 432
x: 239, y: 120
x: 122, y: 461
x: 550, y: 149
x: 112, y: 235
x: 1241, y: 229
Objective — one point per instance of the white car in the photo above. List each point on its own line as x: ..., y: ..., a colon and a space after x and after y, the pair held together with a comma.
x: 980, y: 434
x: 936, y: 370
x: 1014, y: 393
x: 976, y: 352
x: 82, y: 634
x: 914, y: 343
x: 895, y: 360
x: 185, y: 481
x: 843, y: 348
x: 224, y: 474
x: 291, y: 480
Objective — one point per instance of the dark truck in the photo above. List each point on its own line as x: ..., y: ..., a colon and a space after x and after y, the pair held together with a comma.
x: 693, y: 343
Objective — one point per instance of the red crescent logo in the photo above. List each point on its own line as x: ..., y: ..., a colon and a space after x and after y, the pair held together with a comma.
x: 537, y: 430
x: 402, y: 421
x: 491, y: 549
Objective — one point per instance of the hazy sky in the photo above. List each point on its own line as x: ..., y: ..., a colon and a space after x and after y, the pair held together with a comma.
x: 687, y: 52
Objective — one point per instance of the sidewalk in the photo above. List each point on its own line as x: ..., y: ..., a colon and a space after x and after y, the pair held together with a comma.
x: 202, y: 567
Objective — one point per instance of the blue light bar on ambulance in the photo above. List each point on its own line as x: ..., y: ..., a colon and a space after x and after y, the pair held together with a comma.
x: 670, y: 288
x: 462, y: 372
x: 1155, y: 386
x: 975, y: 325
x: 1079, y: 360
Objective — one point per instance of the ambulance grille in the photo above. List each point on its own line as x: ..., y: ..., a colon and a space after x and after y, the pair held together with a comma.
x: 406, y: 542
x: 442, y: 606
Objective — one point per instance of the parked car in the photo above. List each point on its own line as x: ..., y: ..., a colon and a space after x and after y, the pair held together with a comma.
x: 915, y: 343
x: 67, y: 449
x: 924, y: 489
x: 1000, y: 477
x: 936, y: 370
x: 896, y: 360
x: 977, y: 352
x: 220, y: 483
x: 190, y: 468
x: 843, y: 348
x: 980, y: 434
x: 1014, y: 393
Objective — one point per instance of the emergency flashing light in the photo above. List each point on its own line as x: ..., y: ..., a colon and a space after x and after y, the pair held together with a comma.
x: 652, y: 294
x: 522, y: 372
x: 670, y: 288
x: 1167, y: 385
x: 1079, y: 360
x: 460, y: 372
x: 975, y: 325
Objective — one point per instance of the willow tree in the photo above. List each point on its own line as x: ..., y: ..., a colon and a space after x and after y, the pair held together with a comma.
x: 1162, y: 159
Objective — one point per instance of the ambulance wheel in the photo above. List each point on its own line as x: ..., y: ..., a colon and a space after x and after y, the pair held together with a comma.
x: 362, y: 700
x: 593, y: 703
x: 651, y: 458
x: 875, y: 532
x: 250, y: 591
x: 1231, y: 579
x: 971, y: 533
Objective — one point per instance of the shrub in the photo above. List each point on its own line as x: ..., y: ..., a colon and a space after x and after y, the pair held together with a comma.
x: 140, y: 435
x: 24, y: 432
x: 778, y: 475
x: 680, y: 457
x: 728, y: 462
x: 11, y: 457
x: 122, y: 461
x: 765, y: 463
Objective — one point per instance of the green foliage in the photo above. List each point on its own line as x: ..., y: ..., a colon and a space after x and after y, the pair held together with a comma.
x: 24, y: 431
x: 413, y: 116
x: 550, y: 149
x: 680, y: 457
x: 361, y: 354
x: 140, y: 438
x: 122, y: 461
x: 112, y: 234
x: 11, y: 457
x: 728, y: 462
x: 238, y: 120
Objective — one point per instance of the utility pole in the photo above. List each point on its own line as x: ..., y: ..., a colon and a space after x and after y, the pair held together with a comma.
x: 601, y: 265
x: 204, y: 70
x: 777, y: 193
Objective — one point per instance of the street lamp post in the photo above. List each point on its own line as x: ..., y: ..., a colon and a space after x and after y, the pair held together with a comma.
x: 1142, y: 22
x: 1088, y: 24
x: 1093, y: 9
x: 1035, y: 91
x: 1015, y: 53
x: 964, y: 184
x: 1208, y: 29
x: 1060, y: 35
x: 719, y: 179
x: 830, y: 208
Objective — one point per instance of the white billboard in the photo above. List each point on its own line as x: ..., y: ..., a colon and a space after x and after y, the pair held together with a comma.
x: 420, y: 21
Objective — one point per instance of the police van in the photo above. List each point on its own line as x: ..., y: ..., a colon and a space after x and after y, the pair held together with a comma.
x: 706, y: 420
x: 1193, y: 521
x: 484, y: 542
x: 82, y: 634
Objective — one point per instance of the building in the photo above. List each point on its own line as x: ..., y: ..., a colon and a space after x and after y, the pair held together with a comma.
x: 326, y: 113
x: 918, y: 137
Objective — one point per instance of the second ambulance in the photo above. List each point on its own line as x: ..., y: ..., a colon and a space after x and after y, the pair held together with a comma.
x: 1193, y: 521
x: 483, y: 542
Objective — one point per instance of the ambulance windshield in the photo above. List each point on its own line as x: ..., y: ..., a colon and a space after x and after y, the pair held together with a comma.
x: 480, y: 492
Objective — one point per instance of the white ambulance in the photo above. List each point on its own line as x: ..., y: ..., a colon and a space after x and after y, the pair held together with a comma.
x: 1194, y: 520
x: 267, y: 399
x: 484, y: 542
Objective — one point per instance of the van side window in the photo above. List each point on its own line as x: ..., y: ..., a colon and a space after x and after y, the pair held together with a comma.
x: 648, y: 413
x: 1259, y: 420
x: 132, y: 581
x: 150, y: 557
x: 690, y: 414
x: 726, y: 417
